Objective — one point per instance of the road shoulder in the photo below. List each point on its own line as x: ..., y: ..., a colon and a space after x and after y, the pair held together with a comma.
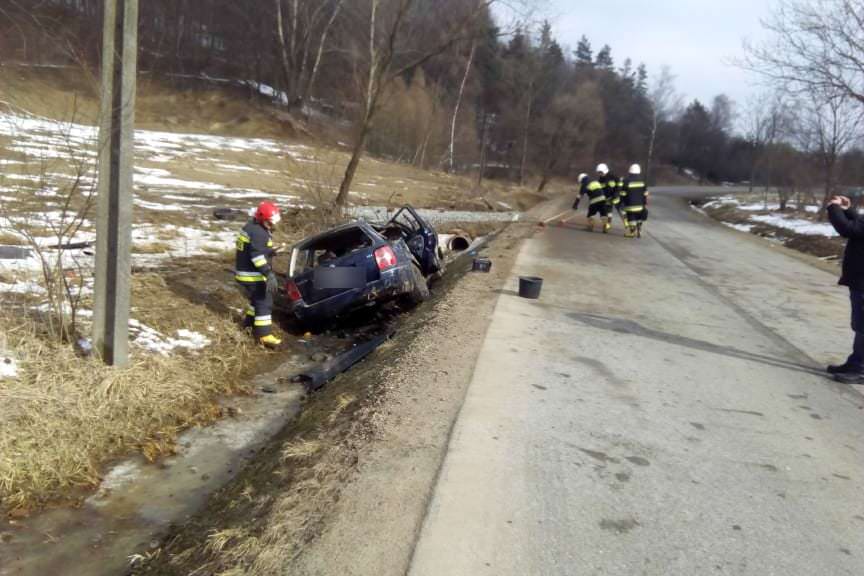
x: 345, y: 491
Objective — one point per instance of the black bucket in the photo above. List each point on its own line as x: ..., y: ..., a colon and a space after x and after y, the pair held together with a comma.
x: 529, y: 287
x: 481, y: 265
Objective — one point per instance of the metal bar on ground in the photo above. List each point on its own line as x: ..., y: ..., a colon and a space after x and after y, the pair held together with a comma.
x: 116, y: 151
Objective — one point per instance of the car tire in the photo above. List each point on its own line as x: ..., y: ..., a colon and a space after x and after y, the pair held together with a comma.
x: 419, y: 289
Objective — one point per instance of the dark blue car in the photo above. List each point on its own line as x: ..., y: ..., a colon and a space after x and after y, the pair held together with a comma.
x: 362, y: 264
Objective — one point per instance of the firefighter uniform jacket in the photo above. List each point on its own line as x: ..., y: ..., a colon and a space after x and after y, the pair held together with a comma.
x: 611, y: 188
x: 254, y: 253
x: 595, y: 190
x: 634, y: 193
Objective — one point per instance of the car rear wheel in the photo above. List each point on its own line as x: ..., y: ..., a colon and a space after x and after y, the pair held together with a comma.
x: 419, y: 289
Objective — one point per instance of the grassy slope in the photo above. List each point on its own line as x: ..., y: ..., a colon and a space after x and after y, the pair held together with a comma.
x: 65, y: 417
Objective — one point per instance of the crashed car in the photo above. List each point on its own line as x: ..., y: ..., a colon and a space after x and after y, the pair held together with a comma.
x: 362, y: 264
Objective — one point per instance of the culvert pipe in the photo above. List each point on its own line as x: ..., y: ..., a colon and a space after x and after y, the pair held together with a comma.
x: 454, y: 242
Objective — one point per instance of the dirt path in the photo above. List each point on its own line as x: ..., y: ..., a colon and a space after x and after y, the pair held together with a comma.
x: 345, y: 489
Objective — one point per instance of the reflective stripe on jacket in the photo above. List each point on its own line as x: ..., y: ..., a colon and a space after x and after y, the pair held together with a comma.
x: 594, y: 189
x: 633, y: 193
x: 254, y: 252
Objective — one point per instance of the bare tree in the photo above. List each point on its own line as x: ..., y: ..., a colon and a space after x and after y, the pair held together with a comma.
x: 665, y: 103
x: 813, y: 44
x: 63, y: 272
x: 572, y: 121
x: 765, y: 120
x: 389, y: 21
x: 829, y: 124
x: 452, y: 150
x: 302, y: 35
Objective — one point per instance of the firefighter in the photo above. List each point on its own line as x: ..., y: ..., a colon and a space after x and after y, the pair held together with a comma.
x: 609, y: 183
x: 612, y: 191
x: 254, y: 271
x: 594, y: 189
x: 634, y: 202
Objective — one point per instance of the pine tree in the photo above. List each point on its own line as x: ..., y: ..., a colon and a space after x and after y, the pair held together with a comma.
x: 584, y: 53
x: 642, y: 80
x: 604, y: 59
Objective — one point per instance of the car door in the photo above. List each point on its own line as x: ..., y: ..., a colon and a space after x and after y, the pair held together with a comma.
x: 421, y: 238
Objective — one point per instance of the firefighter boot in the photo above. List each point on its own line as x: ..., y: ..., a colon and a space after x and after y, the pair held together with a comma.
x: 629, y: 231
x: 270, y: 341
x: 590, y: 225
x: 639, y: 230
x: 607, y: 225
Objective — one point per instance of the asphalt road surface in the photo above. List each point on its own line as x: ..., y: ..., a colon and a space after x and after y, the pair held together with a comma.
x: 660, y: 410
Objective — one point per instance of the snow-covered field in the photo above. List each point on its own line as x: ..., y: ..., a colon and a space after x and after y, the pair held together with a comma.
x: 770, y: 214
x: 48, y: 179
x: 178, y: 178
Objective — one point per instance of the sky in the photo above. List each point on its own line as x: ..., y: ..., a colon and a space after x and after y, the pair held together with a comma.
x: 697, y: 39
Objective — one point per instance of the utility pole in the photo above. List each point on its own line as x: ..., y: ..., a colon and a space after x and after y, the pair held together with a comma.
x: 116, y: 152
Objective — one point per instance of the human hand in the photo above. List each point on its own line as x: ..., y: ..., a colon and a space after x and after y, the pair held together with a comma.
x: 835, y: 201
x: 845, y: 202
x: 272, y: 283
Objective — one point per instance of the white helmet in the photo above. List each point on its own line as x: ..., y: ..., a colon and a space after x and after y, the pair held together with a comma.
x: 582, y: 177
x: 603, y: 169
x: 635, y: 169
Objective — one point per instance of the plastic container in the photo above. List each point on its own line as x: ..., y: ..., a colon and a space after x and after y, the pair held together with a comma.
x: 530, y: 286
x: 481, y: 265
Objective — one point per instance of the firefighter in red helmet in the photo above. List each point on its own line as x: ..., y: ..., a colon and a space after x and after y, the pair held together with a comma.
x: 254, y: 271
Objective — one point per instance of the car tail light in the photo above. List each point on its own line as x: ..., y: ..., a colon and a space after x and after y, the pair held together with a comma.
x: 292, y: 291
x: 385, y: 258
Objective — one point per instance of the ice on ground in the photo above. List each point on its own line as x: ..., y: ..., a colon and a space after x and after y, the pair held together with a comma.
x: 149, y: 339
x: 159, y: 181
x: 8, y: 365
x: 121, y: 474
x: 43, y: 138
x: 237, y: 168
x: 759, y: 206
x: 739, y: 227
x: 184, y: 241
x: 158, y: 207
x: 22, y: 288
x: 799, y: 226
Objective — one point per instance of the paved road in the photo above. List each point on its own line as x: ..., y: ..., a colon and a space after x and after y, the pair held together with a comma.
x: 659, y: 411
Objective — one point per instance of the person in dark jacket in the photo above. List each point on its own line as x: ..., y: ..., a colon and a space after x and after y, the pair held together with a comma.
x: 595, y: 188
x: 254, y: 271
x: 634, y: 201
x: 850, y: 225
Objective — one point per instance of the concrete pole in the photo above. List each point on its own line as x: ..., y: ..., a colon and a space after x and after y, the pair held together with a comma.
x: 116, y: 151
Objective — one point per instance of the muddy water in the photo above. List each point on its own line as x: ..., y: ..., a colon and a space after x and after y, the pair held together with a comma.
x: 137, y: 501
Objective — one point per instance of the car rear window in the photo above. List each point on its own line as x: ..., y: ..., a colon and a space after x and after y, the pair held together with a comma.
x: 332, y: 247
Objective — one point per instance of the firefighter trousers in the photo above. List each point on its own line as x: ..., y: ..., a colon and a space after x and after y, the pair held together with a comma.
x: 259, y: 311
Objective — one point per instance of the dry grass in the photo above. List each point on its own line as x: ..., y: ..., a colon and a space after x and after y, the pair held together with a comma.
x: 9, y: 239
x: 65, y: 416
x: 300, y: 450
x: 152, y: 248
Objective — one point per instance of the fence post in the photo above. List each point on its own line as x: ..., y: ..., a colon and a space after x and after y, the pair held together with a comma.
x: 116, y: 155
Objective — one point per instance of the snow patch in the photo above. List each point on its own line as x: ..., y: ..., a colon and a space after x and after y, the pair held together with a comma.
x: 154, y: 341
x: 797, y: 225
x: 739, y: 227
x: 8, y: 366
x: 21, y: 288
